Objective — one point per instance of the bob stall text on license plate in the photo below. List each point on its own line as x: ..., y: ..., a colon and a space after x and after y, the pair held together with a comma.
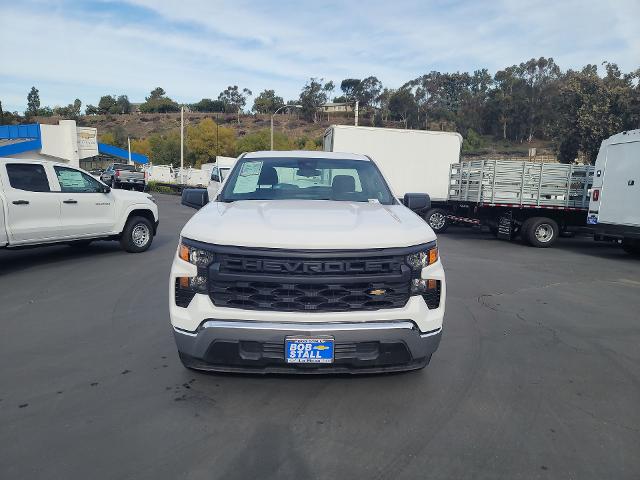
x: 309, y: 350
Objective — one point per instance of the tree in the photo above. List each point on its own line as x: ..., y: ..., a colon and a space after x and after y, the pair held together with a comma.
x: 590, y: 109
x: 261, y: 140
x: 234, y: 99
x: 402, y: 104
x: 155, y: 94
x: 141, y: 145
x: 107, y: 104
x: 349, y: 87
x: 70, y: 111
x: 267, y: 102
x: 158, y: 102
x: 313, y: 95
x: 208, y: 105
x: 91, y: 110
x: 368, y: 91
x: 165, y: 149
x: 207, y: 139
x: 123, y: 105
x: 33, y: 103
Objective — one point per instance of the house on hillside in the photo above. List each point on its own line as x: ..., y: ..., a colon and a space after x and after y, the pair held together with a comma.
x: 334, y: 107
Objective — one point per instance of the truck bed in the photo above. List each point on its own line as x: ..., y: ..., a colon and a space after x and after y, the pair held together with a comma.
x: 525, y: 184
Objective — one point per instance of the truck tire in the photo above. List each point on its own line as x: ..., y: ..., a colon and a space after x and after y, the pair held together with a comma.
x: 524, y: 230
x: 137, y: 235
x: 437, y: 219
x: 632, y: 247
x: 541, y: 232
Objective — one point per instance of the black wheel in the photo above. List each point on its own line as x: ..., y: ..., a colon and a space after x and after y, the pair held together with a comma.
x: 437, y: 219
x: 137, y: 235
x: 632, y: 247
x: 80, y: 244
x: 540, y: 232
x: 524, y: 230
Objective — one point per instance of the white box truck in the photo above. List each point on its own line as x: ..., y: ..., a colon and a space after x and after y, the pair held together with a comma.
x: 414, y: 161
x: 614, y: 210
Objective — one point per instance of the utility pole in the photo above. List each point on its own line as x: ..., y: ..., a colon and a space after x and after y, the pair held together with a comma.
x: 182, y: 145
x: 356, y: 119
x: 129, y: 147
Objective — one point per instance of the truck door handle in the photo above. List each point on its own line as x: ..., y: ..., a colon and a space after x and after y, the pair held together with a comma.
x: 20, y: 202
x: 70, y: 201
x: 631, y: 183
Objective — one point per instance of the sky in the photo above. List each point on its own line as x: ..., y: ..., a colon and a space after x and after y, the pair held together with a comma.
x: 195, y: 48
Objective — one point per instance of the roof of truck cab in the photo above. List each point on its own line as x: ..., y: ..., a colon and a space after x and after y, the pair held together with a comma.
x: 33, y: 160
x: 624, y: 137
x: 306, y: 154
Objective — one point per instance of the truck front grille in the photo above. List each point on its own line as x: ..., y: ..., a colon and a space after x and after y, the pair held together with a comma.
x: 300, y: 296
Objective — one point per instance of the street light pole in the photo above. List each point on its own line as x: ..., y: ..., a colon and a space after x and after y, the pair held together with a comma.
x: 274, y: 114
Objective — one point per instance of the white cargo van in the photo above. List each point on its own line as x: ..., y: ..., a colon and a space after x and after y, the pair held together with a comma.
x: 614, y: 210
x: 218, y: 173
x: 414, y: 161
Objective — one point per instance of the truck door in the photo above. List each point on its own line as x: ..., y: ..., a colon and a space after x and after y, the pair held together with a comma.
x: 85, y: 209
x: 620, y: 193
x: 33, y: 210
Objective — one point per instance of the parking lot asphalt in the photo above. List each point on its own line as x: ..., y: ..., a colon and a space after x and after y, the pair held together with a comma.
x: 537, y: 376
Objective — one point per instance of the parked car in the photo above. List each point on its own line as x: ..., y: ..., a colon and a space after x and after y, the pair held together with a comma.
x: 615, y: 198
x: 120, y: 175
x: 306, y: 263
x: 96, y: 173
x: 44, y: 202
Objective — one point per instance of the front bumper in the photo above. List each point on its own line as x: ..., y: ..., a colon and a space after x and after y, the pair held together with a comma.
x: 360, y: 347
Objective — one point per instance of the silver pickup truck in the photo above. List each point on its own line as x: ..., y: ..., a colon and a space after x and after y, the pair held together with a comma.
x: 121, y: 175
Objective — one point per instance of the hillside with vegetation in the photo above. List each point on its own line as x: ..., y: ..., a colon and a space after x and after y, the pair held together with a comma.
x: 531, y: 105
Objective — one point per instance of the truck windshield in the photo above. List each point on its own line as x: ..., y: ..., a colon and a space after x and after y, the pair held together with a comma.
x: 306, y: 179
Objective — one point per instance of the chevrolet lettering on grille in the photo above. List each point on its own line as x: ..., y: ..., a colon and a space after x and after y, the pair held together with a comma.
x: 309, y: 266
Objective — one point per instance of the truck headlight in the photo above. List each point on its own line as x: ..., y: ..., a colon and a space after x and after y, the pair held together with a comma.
x: 424, y: 258
x: 195, y: 256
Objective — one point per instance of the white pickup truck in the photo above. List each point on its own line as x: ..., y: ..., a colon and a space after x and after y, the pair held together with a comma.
x: 43, y: 202
x: 305, y: 262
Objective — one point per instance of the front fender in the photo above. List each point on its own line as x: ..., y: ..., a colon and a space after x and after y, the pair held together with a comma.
x: 124, y: 216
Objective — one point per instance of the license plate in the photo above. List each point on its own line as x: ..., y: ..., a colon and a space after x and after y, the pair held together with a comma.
x: 592, y: 220
x: 308, y: 350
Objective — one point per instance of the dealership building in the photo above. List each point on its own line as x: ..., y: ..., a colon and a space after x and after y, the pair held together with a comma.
x: 65, y: 142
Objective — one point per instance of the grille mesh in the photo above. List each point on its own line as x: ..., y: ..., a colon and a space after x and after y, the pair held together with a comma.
x: 302, y: 296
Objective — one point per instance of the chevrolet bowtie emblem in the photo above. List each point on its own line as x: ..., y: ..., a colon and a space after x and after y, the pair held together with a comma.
x: 377, y: 291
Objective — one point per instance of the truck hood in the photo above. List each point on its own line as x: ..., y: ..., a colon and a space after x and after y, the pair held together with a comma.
x: 131, y: 196
x: 307, y: 224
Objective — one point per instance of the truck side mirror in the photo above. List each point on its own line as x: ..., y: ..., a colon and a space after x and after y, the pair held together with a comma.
x: 195, y: 197
x: 417, y: 201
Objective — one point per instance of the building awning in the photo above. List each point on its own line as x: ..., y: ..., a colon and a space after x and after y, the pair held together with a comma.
x: 19, y: 138
x: 118, y: 152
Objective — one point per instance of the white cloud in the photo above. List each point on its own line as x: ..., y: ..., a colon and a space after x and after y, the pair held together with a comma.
x: 195, y: 48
